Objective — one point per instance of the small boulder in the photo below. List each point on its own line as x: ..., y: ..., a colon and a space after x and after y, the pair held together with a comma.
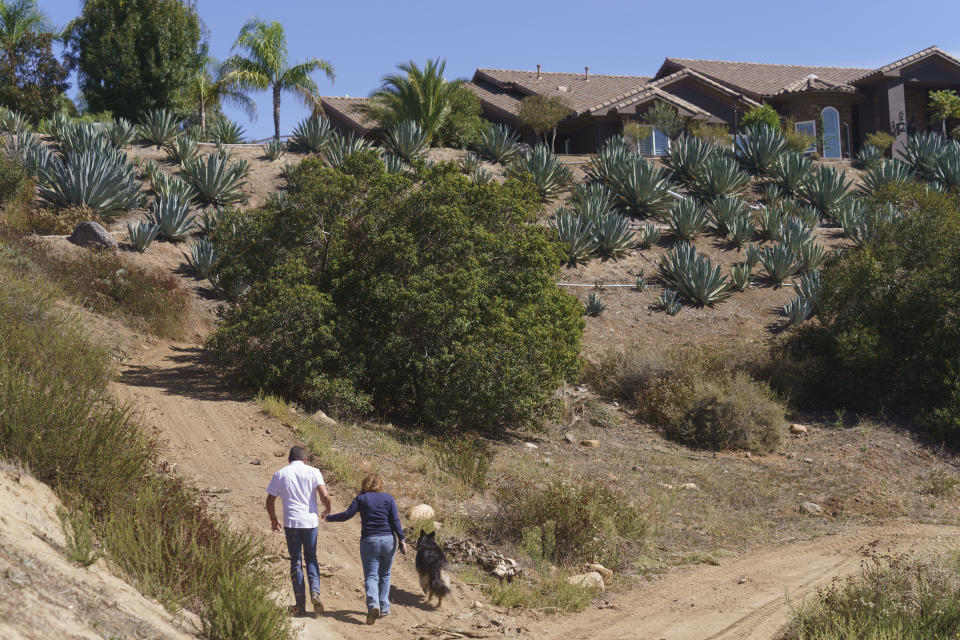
x: 529, y: 445
x: 811, y: 508
x: 421, y: 512
x: 808, y: 460
x: 590, y: 443
x: 797, y: 429
x: 607, y: 574
x: 321, y: 419
x: 690, y: 486
x: 593, y: 580
x: 92, y: 234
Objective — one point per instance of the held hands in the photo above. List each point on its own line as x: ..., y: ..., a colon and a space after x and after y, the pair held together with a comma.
x: 324, y: 514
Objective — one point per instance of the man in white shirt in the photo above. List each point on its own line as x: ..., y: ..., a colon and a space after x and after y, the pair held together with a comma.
x: 299, y: 485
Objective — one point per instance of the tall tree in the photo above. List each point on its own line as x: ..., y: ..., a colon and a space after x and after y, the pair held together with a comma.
x: 543, y: 114
x: 20, y: 17
x: 136, y: 55
x: 211, y: 87
x: 420, y: 95
x: 32, y: 80
x: 944, y: 105
x: 266, y: 67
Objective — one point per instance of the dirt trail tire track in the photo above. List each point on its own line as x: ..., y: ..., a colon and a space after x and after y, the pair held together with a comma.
x: 215, y: 438
x: 711, y: 602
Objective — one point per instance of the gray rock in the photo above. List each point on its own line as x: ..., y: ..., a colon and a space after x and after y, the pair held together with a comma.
x: 92, y: 234
x: 808, y: 460
x: 811, y: 507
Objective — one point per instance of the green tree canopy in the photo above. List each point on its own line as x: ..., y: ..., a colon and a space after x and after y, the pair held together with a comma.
x: 32, y: 80
x: 542, y: 114
x: 666, y: 119
x: 420, y: 95
x: 210, y: 88
x: 136, y: 55
x: 266, y: 67
x: 944, y: 105
x: 430, y: 298
x: 762, y: 114
x: 464, y: 124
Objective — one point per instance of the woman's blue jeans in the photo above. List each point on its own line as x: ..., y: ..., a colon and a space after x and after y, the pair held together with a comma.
x: 376, y: 554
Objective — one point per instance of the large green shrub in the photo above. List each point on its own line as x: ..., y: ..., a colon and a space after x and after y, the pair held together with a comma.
x: 430, y: 297
x: 888, y: 335
x: 762, y: 115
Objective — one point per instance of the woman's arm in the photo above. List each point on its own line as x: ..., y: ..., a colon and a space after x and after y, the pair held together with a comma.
x: 395, y: 520
x: 343, y: 516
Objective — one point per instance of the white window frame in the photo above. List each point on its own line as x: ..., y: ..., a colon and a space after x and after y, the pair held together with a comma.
x: 839, y: 132
x: 813, y: 123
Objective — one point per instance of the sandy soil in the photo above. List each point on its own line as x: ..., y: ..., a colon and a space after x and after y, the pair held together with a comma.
x: 43, y: 595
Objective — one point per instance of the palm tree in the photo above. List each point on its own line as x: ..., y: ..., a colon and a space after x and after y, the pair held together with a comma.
x: 20, y: 17
x: 211, y: 87
x: 420, y: 95
x: 267, y: 67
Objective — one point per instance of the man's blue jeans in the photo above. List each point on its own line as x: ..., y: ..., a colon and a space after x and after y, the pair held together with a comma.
x: 305, y: 541
x: 376, y: 554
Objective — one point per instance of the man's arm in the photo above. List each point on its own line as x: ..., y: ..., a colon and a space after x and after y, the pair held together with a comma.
x: 325, y: 499
x: 272, y: 512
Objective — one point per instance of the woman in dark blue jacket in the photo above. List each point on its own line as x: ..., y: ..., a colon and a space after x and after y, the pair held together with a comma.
x: 379, y: 523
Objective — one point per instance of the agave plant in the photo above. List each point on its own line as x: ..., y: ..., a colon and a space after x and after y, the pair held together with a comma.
x: 55, y: 125
x: 790, y: 170
x: 885, y: 172
x: 641, y: 284
x: 216, y: 181
x: 586, y: 192
x: 687, y: 157
x: 793, y: 233
x: 687, y: 219
x: 498, y: 143
x: 648, y: 235
x: 769, y: 220
x: 720, y: 176
x: 406, y: 140
x: 289, y: 171
x: 149, y: 171
x: 158, y: 126
x: 393, y: 163
x: 548, y: 173
x: 482, y: 175
x: 226, y: 131
x: 13, y: 122
x: 103, y: 182
x: 740, y: 230
x: 640, y: 188
x: 806, y: 214
x: 207, y: 220
x: 797, y: 311
x: 669, y: 302
x: 724, y: 210
x: 172, y: 217
x: 758, y: 149
x: 121, y: 133
x: 311, y: 135
x: 469, y: 163
x: 772, y: 194
x: 825, y: 189
x: 37, y: 158
x: 227, y: 290
x: 341, y: 147
x: 808, y: 287
x: 182, y: 149
x: 869, y: 157
x: 614, y: 235
x: 615, y: 154
x: 779, y: 263
x: 694, y: 275
x: 922, y: 151
x: 946, y: 173
x: 201, y: 259
x: 741, y: 275
x: 810, y: 256
x: 278, y: 200
x: 165, y: 185
x: 861, y: 224
x: 752, y: 255
x: 141, y: 233
x: 595, y: 305
x: 576, y: 235
x: 84, y: 137
x: 274, y: 149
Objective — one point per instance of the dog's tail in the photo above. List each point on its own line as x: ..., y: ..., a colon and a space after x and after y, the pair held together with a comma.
x: 439, y: 582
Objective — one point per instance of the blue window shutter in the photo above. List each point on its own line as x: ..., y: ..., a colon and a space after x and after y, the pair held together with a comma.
x: 646, y: 145
x: 831, y: 132
x: 809, y: 128
x: 661, y: 143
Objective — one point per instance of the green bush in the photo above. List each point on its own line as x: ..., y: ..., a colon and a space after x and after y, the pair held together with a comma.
x: 699, y: 398
x: 467, y: 458
x: 464, y: 123
x: 895, y: 597
x: 428, y: 297
x: 762, y: 115
x: 587, y: 520
x: 887, y: 337
x: 880, y: 140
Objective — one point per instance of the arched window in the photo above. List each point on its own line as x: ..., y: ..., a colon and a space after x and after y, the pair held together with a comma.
x: 831, y: 133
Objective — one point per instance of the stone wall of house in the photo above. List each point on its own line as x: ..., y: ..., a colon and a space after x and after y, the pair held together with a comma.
x: 801, y: 108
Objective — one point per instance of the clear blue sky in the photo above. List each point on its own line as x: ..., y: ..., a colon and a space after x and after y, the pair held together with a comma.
x: 365, y: 40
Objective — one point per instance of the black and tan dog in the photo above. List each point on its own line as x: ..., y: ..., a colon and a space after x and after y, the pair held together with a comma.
x: 431, y: 563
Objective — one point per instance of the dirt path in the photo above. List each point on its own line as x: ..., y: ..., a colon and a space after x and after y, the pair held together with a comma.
x: 230, y: 449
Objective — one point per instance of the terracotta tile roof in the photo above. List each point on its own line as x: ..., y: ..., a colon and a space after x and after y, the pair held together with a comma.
x: 581, y: 93
x: 913, y: 57
x: 759, y: 79
x: 344, y: 108
x: 653, y: 93
x: 505, y: 101
x: 811, y: 83
x: 667, y: 80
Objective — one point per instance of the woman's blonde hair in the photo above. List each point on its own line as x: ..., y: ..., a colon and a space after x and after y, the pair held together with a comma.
x: 371, y: 482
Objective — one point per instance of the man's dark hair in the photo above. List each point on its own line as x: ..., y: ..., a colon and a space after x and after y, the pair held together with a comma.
x: 297, y: 453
